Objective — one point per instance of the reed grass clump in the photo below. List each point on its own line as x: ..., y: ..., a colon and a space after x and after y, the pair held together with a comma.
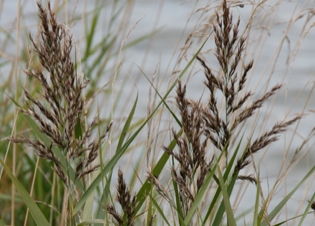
x: 207, y: 129
x: 192, y: 179
x: 60, y: 110
x: 61, y: 115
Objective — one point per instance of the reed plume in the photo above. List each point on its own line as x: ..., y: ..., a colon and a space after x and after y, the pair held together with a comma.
x: 220, y: 128
x: 60, y: 111
x: 126, y: 201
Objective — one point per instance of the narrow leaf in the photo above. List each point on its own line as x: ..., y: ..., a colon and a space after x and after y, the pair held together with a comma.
x: 202, y: 191
x: 108, y: 167
x: 159, y: 209
x: 226, y: 200
x: 279, y: 207
x: 36, y: 213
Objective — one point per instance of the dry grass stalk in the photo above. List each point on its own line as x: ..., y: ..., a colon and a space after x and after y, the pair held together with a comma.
x: 127, y: 203
x: 158, y: 186
x: 150, y: 223
x: 61, y: 112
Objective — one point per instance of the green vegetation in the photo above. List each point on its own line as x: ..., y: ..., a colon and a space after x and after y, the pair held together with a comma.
x: 75, y: 151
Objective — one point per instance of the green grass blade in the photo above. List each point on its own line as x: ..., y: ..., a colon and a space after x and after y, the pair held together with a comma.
x: 101, y: 211
x: 218, y: 192
x: 141, y: 38
x: 90, y: 34
x: 68, y: 170
x: 88, y: 207
x: 202, y: 191
x: 102, y: 49
x: 147, y: 186
x: 184, y: 70
x: 126, y: 127
x: 105, y: 44
x: 78, y: 130
x: 255, y: 222
x: 212, y: 205
x: 159, y: 209
x: 232, y: 161
x: 222, y: 210
x: 287, y: 220
x: 113, y: 161
x: 279, y: 207
x: 7, y: 197
x: 178, y: 204
x: 226, y: 199
x: 164, y: 102
x: 92, y: 222
x: 108, y: 167
x: 36, y: 213
x: 141, y: 195
x: 307, y: 209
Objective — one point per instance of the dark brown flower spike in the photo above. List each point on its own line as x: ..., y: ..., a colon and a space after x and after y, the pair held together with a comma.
x: 60, y: 111
x: 126, y: 201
